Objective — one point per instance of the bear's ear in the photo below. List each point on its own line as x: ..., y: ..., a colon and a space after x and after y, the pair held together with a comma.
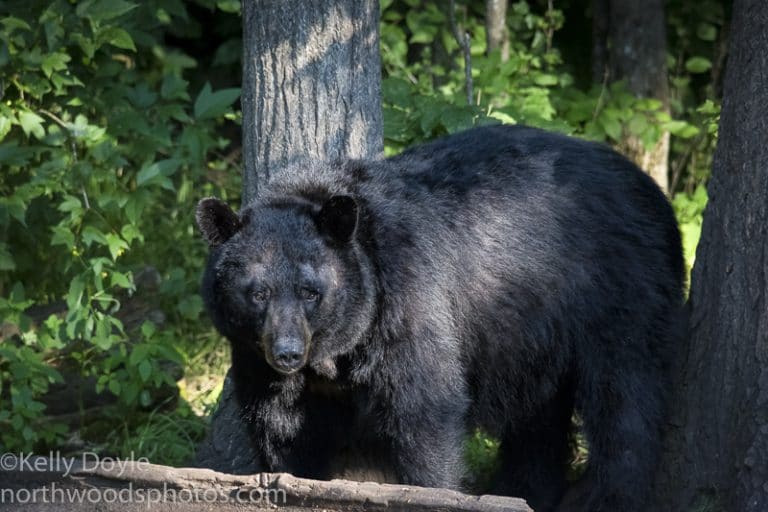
x: 216, y: 220
x: 337, y: 219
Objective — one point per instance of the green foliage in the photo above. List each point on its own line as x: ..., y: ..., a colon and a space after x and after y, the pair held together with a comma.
x: 105, y: 148
x: 424, y: 81
x: 689, y: 209
x: 481, y: 453
x: 169, y: 437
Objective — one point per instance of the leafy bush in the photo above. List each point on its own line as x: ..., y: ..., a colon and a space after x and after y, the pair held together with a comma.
x: 105, y: 147
x: 424, y: 89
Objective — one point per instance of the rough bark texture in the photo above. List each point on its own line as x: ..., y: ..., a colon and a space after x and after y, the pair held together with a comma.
x: 311, y: 89
x: 717, y: 443
x: 636, y: 39
x: 311, y: 83
x: 496, y: 27
x: 138, y: 487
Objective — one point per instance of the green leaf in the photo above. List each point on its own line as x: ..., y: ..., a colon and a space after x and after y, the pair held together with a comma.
x: 117, y: 37
x: 545, y: 80
x: 698, y: 64
x: 17, y: 293
x: 114, y: 387
x: 139, y: 353
x: 191, y: 307
x: 54, y: 62
x: 135, y: 206
x: 6, y: 259
x: 681, y: 129
x: 12, y: 23
x: 121, y: 280
x: 147, y: 174
x: 116, y: 245
x: 501, y: 116
x: 63, y: 236
x: 638, y: 124
x: 422, y: 36
x: 75, y: 294
x: 213, y: 104
x: 145, y: 370
x: 32, y: 123
x: 230, y: 6
x: 611, y: 125
x: 69, y: 204
x: 174, y: 87
x: 6, y: 123
x: 157, y: 173
x: 102, y: 10
x: 91, y: 234
x: 706, y: 32
x: 148, y: 329
x: 130, y: 392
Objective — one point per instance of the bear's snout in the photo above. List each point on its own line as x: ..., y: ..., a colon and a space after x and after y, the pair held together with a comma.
x: 288, y: 355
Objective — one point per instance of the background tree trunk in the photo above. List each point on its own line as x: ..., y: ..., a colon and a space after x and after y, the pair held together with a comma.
x: 311, y: 90
x: 717, y: 442
x: 600, y: 13
x: 311, y: 84
x: 635, y: 38
x: 496, y: 33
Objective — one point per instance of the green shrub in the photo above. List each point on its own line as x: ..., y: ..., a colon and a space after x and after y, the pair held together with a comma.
x: 105, y: 148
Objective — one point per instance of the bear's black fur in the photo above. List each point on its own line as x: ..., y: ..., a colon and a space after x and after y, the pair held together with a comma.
x: 502, y: 277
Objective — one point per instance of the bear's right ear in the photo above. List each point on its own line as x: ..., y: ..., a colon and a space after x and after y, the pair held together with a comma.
x: 216, y: 220
x: 338, y: 218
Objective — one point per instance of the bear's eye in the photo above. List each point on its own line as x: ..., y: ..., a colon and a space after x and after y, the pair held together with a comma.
x: 309, y: 294
x: 260, y: 296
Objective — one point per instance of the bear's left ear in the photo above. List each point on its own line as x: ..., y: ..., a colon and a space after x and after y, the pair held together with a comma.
x: 216, y: 220
x: 337, y: 219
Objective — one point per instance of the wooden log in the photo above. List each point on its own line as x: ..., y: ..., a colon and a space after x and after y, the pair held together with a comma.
x: 84, y: 484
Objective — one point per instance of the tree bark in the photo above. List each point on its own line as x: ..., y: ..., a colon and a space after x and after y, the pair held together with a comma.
x: 311, y: 84
x: 636, y: 40
x: 496, y: 34
x: 600, y: 13
x: 716, y: 455
x: 311, y: 90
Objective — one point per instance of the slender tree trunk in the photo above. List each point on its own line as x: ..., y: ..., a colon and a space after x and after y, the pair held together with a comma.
x: 600, y: 12
x: 636, y: 53
x: 311, y: 90
x: 311, y: 84
x: 496, y: 33
x: 717, y: 442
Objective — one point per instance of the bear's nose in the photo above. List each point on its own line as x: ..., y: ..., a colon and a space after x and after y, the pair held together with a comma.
x: 288, y: 355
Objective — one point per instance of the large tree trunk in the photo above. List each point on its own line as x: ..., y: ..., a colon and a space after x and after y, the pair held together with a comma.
x: 635, y: 36
x: 311, y: 89
x: 311, y: 84
x: 717, y: 443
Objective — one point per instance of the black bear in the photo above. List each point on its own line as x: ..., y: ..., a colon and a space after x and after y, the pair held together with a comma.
x: 503, y: 277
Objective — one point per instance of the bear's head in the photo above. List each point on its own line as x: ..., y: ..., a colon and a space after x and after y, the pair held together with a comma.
x: 288, y: 279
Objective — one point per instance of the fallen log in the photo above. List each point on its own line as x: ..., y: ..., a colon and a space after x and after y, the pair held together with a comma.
x: 43, y: 484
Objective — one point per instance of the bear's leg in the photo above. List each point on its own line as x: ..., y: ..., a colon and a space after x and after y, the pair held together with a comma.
x: 428, y: 444
x: 534, y: 456
x: 621, y: 406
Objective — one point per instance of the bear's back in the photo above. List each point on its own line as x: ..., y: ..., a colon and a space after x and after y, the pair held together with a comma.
x: 501, y: 208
